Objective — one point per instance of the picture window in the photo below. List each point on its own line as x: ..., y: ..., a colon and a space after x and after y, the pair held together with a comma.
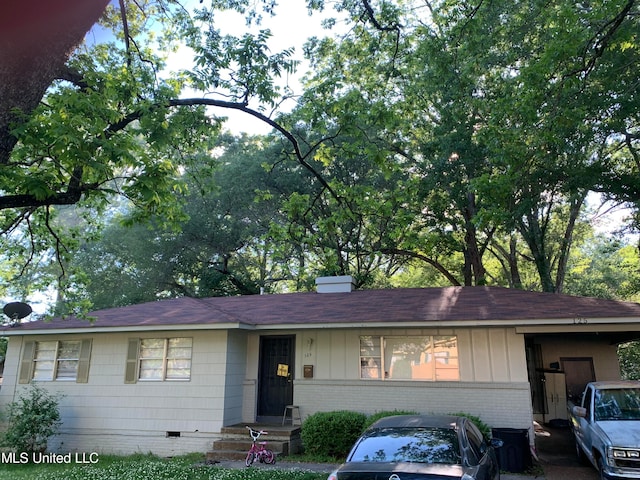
x: 419, y: 358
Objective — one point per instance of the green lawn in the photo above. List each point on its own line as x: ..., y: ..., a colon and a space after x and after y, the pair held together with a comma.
x: 146, y: 467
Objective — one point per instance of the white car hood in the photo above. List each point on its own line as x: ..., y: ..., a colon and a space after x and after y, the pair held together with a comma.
x: 621, y: 433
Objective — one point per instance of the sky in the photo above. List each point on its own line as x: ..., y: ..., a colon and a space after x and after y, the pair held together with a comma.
x: 291, y: 27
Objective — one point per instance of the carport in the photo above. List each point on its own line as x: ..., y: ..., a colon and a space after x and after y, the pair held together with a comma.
x: 556, y: 453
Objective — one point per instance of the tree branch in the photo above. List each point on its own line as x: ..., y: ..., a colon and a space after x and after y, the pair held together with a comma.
x: 125, y: 30
x: 76, y: 188
x: 71, y: 196
x: 73, y: 76
x: 439, y: 267
x: 300, y: 157
x: 599, y: 42
x: 395, y: 27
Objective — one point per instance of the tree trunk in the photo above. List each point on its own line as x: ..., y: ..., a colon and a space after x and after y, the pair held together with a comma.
x: 534, y: 235
x: 514, y: 271
x: 574, y: 211
x: 475, y: 273
x: 36, y: 39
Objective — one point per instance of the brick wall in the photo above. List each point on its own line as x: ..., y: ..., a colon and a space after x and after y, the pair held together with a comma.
x: 128, y: 442
x: 499, y: 405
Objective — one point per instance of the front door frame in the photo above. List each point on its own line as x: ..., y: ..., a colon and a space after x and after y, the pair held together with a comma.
x: 276, y: 369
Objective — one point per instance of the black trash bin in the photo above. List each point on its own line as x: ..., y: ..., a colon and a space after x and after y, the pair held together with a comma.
x: 515, y: 455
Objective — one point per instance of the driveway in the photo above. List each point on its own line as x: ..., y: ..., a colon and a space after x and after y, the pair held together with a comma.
x: 557, y: 455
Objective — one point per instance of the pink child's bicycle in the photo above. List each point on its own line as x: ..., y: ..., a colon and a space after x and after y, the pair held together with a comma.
x: 258, y: 450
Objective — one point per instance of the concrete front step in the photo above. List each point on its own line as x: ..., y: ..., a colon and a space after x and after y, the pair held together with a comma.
x: 279, y: 447
x: 236, y: 441
x: 275, y: 432
x: 222, y: 455
x: 230, y: 450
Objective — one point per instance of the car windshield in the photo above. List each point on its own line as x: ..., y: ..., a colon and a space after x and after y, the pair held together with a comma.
x: 422, y: 445
x: 617, y: 404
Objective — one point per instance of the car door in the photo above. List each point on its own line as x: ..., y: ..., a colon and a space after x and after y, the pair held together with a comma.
x: 583, y: 432
x: 483, y: 452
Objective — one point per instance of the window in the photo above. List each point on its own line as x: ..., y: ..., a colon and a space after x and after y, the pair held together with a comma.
x: 423, y: 358
x: 158, y: 359
x: 477, y: 444
x: 408, y: 444
x: 587, y: 401
x: 45, y: 359
x: 617, y: 404
x: 59, y: 360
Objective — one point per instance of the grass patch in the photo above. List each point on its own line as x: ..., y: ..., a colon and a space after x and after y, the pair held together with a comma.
x: 145, y: 467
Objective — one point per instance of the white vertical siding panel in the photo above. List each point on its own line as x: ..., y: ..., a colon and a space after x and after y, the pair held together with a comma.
x: 352, y: 355
x: 253, y: 354
x: 322, y: 366
x: 481, y: 356
x: 338, y: 360
x: 498, y: 354
x: 234, y: 377
x: 465, y: 355
x: 517, y: 356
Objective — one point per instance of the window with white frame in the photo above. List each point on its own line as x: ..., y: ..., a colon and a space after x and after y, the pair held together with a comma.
x: 56, y: 360
x: 421, y: 358
x: 165, y: 359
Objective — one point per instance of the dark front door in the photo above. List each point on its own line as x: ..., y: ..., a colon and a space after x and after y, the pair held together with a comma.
x: 275, y: 379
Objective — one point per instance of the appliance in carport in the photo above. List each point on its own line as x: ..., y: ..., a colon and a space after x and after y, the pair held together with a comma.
x: 514, y: 455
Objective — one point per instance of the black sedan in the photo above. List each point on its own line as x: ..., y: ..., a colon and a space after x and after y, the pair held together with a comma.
x: 421, y: 447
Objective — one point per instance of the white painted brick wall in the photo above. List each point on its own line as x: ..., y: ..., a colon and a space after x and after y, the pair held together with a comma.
x: 499, y: 405
x: 127, y: 442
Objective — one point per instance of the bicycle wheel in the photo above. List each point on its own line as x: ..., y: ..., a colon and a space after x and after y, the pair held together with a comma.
x: 269, y: 457
x: 249, y: 460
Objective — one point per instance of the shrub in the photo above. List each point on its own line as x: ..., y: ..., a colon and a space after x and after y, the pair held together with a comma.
x: 483, y: 427
x: 32, y: 420
x: 388, y: 413
x: 331, y: 434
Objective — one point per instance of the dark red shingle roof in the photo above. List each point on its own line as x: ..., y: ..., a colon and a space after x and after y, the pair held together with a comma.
x: 484, y: 305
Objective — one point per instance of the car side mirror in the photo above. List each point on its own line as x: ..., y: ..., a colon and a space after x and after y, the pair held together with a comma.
x: 496, y: 443
x: 579, y: 411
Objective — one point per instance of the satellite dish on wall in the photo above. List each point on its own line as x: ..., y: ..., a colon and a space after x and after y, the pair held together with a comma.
x: 16, y: 311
